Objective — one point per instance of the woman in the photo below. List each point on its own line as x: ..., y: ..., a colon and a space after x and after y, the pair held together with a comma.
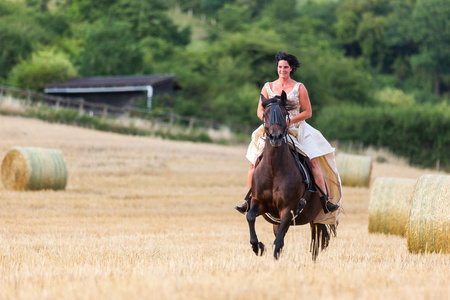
x: 307, y: 140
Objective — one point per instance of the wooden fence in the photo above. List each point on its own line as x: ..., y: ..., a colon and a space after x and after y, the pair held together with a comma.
x: 31, y: 98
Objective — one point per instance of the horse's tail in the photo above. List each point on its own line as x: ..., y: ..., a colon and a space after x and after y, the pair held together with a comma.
x: 320, y: 237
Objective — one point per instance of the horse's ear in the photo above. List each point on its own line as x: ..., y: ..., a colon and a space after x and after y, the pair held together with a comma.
x: 283, y: 97
x: 263, y: 101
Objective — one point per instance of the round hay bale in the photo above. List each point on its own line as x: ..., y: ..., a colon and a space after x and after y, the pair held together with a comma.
x: 429, y: 221
x: 390, y: 203
x: 354, y: 170
x: 27, y: 168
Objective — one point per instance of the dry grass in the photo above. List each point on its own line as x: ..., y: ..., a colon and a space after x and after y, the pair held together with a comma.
x: 11, y: 105
x: 144, y: 218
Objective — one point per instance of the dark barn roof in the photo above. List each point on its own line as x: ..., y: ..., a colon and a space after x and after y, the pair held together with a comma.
x: 114, y: 81
x: 115, y: 90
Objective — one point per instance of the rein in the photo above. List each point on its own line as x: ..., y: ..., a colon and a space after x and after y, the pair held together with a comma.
x: 275, y: 118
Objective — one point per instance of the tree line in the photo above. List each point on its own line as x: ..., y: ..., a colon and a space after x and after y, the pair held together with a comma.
x: 363, y: 53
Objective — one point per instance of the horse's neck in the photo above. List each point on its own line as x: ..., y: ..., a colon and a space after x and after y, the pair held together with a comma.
x: 276, y: 157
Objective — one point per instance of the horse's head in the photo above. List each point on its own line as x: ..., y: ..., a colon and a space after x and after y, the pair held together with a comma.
x: 274, y: 118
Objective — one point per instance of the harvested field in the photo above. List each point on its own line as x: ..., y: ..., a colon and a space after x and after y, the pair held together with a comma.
x: 145, y: 218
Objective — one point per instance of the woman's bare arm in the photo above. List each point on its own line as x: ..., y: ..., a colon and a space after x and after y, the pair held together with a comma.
x: 305, y: 106
x: 260, y: 110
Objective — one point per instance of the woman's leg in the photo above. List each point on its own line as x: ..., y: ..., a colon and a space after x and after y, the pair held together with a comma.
x: 250, y: 176
x: 318, y: 178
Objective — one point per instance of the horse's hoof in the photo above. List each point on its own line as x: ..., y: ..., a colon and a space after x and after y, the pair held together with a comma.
x: 276, y: 254
x: 261, y: 248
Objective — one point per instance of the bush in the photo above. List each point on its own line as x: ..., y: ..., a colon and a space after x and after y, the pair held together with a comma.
x: 42, y: 68
x: 417, y: 132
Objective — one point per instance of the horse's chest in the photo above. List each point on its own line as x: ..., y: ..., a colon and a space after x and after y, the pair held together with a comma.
x: 274, y: 192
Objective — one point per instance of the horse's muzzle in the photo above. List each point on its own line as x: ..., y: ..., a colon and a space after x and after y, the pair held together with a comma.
x: 276, y: 142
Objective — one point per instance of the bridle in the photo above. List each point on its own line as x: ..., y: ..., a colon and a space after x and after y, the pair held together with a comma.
x: 276, y: 107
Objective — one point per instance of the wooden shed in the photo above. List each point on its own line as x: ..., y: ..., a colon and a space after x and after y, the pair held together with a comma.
x: 120, y: 91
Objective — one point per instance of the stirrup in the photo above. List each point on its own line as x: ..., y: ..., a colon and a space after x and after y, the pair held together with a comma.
x: 243, y: 208
x: 327, y: 205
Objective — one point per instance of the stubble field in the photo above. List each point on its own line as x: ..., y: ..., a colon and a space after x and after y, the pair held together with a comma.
x: 145, y: 218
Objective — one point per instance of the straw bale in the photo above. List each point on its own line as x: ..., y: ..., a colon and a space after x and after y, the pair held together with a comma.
x: 429, y: 221
x: 390, y: 203
x: 28, y: 168
x: 354, y: 170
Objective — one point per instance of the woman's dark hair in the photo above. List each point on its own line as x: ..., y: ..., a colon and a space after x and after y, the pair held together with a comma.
x: 291, y: 59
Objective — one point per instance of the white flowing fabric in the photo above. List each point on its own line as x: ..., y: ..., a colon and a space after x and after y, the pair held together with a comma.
x: 311, y: 143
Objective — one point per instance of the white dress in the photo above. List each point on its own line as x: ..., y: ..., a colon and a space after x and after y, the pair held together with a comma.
x: 311, y: 143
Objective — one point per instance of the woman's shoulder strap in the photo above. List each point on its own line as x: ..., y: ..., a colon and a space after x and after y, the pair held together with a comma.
x: 269, y: 89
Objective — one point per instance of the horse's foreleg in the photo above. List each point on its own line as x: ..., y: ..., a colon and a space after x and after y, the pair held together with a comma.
x: 252, y: 213
x: 275, y: 229
x: 286, y: 218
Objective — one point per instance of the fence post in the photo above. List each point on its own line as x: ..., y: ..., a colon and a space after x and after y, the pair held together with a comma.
x: 28, y: 98
x: 1, y: 94
x: 350, y: 146
x: 105, y: 112
x: 438, y: 162
x: 57, y: 103
x: 336, y: 145
x: 81, y: 108
x: 171, y: 121
x: 191, y: 125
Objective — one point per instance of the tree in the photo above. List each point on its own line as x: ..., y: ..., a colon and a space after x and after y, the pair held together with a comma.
x: 370, y: 35
x: 110, y: 49
x: 431, y: 29
x: 149, y: 19
x: 42, y: 68
x: 346, y: 29
x: 231, y: 15
x: 399, y: 40
x: 16, y: 45
x: 20, y: 33
x: 146, y: 18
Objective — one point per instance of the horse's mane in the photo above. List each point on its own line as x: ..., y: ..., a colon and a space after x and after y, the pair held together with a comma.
x: 276, y: 99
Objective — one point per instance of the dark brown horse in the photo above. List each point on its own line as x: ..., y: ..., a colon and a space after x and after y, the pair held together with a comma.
x: 280, y: 193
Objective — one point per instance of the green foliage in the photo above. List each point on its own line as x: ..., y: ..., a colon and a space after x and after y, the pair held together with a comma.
x: 110, y: 49
x: 16, y: 45
x: 42, y: 68
x: 394, y: 96
x: 432, y: 31
x: 231, y: 16
x: 227, y: 78
x: 41, y: 5
x: 418, y: 132
x: 374, y: 53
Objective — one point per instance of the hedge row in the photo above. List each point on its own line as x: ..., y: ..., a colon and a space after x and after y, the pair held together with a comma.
x: 420, y: 133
